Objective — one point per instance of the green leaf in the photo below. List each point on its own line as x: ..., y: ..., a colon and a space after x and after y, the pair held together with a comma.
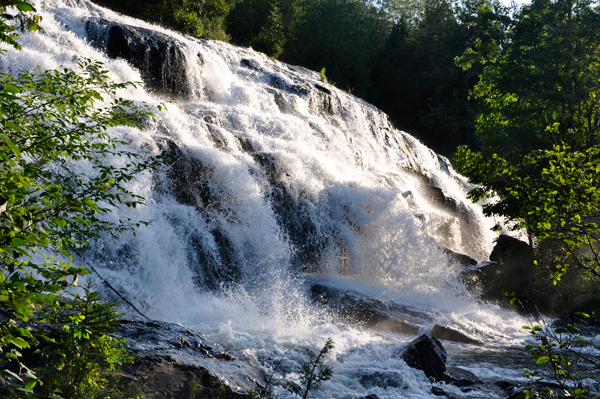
x: 13, y: 126
x: 31, y: 384
x: 16, y: 242
x: 20, y: 342
x: 8, y: 88
x: 542, y: 360
x: 23, y: 6
x: 11, y: 145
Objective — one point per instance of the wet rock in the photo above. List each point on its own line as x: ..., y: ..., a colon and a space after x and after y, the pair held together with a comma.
x: 189, y: 178
x: 438, y: 197
x: 385, y: 379
x: 323, y: 89
x: 459, y: 259
x: 294, y: 213
x: 292, y: 88
x: 450, y: 334
x: 355, y: 308
x: 157, y: 56
x: 439, y: 391
x: 174, y: 362
x: 427, y: 353
x: 372, y: 396
x: 462, y: 378
x: 513, y: 271
x: 189, y: 182
x: 509, y: 249
x: 247, y: 63
x: 511, y: 390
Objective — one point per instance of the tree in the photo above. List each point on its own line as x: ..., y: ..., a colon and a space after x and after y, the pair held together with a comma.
x: 539, y: 132
x: 314, y: 373
x: 201, y: 18
x: 77, y: 352
x: 547, y: 75
x: 343, y: 36
x: 417, y: 83
x: 271, y: 39
x: 536, y: 91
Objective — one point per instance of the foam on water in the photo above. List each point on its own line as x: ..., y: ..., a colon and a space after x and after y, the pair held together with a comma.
x: 358, y: 181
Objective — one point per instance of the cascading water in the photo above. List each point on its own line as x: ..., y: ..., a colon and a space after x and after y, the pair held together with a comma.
x: 277, y: 183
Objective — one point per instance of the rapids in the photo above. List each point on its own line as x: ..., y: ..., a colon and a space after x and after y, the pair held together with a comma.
x: 277, y: 182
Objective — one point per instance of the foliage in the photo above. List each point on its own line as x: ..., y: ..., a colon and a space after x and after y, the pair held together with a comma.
x: 201, y: 18
x: 562, y: 350
x: 564, y: 206
x: 271, y: 39
x: 537, y: 92
x: 78, y: 352
x: 50, y: 123
x: 416, y: 80
x: 8, y: 33
x: 313, y: 372
x: 544, y: 76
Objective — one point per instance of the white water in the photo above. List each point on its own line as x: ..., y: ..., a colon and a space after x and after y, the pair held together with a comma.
x: 345, y: 172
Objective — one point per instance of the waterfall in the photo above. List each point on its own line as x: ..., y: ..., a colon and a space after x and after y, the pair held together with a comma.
x: 276, y: 182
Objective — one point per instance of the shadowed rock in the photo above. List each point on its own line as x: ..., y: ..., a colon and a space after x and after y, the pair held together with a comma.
x: 157, y: 56
x: 450, y: 334
x: 355, y: 308
x: 172, y: 362
x: 427, y: 353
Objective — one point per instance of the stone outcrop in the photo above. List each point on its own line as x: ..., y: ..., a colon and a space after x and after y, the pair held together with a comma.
x: 157, y: 56
x: 451, y: 334
x: 511, y: 270
x: 173, y: 362
x: 375, y: 314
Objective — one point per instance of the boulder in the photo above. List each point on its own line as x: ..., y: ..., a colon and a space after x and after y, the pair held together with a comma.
x: 510, y: 249
x: 462, y: 378
x: 174, y: 362
x: 511, y: 390
x: 355, y: 308
x: 427, y: 353
x: 459, y: 259
x: 439, y: 198
x: 450, y: 334
x: 382, y: 379
x: 511, y: 270
x: 157, y: 56
x: 439, y: 391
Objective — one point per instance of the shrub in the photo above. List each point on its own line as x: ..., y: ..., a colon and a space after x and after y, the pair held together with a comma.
x: 77, y: 352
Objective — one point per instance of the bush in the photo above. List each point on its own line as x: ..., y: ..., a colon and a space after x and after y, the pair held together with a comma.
x: 562, y: 350
x: 201, y: 18
x: 49, y: 121
x: 77, y: 352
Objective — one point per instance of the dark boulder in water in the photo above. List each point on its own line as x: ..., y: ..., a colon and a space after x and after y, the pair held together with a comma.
x: 158, y: 57
x: 427, y: 353
x: 458, y: 258
x: 382, y: 379
x: 355, y: 308
x: 450, y: 334
x: 509, y: 249
x: 512, y: 270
